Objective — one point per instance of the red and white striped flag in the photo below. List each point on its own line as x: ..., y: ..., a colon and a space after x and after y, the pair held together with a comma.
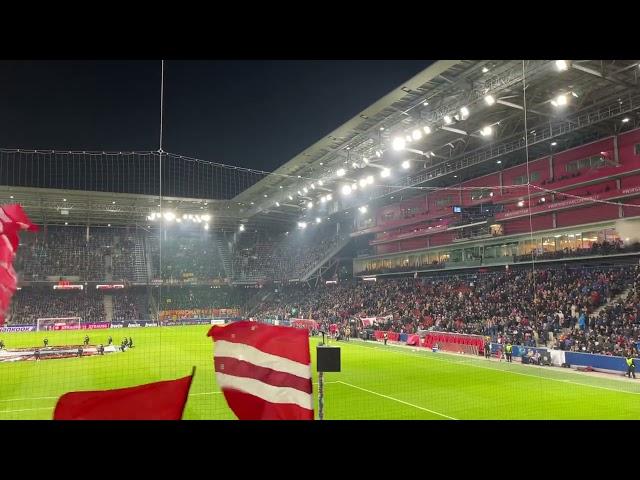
x: 264, y: 371
x: 12, y: 221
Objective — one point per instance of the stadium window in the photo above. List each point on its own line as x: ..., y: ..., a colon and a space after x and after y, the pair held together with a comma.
x: 522, y: 179
x: 595, y: 161
x: 480, y: 193
x: 409, y: 212
x: 637, y: 148
x: 445, y: 201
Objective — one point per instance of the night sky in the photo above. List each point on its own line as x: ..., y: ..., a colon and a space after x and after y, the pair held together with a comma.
x: 256, y: 114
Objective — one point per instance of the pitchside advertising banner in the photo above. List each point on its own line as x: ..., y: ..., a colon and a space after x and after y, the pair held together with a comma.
x: 134, y: 324
x: 122, y: 324
x: 84, y: 326
x: 23, y: 328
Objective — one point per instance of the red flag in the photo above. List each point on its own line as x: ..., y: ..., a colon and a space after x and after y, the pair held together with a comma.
x: 12, y: 220
x: 264, y: 371
x: 152, y: 401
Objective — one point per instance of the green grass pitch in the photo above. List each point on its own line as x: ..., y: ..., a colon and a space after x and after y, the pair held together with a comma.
x: 376, y: 382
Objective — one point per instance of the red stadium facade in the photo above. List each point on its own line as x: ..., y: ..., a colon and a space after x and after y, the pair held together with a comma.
x: 561, y: 211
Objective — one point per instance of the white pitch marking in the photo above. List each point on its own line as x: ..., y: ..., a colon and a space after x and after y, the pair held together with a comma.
x: 397, y: 400
x: 31, y: 398
x: 25, y: 410
x: 473, y: 364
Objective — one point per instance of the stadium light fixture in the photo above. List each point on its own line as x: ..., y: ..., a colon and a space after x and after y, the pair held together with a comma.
x: 543, y: 199
x: 108, y: 224
x: 64, y: 199
x: 340, y: 172
x: 206, y: 226
x: 485, y: 69
x: 408, y: 138
x: 553, y: 144
x: 66, y: 223
x: 346, y: 190
x: 313, y: 186
x: 302, y: 225
x: 320, y: 182
x: 363, y: 209
x: 426, y: 129
x: 365, y: 160
x: 323, y: 199
x: 489, y: 100
x: 310, y: 205
x: 416, y: 134
x: 464, y: 112
x: 11, y: 197
x: 241, y: 227
x: 378, y: 153
x: 499, y: 162
x: 559, y: 101
x: 206, y: 217
x: 299, y: 193
x: 447, y: 119
x: 562, y: 65
x: 277, y: 204
x: 398, y: 143
x: 486, y: 131
x: 290, y: 197
x: 385, y: 173
x: 318, y: 219
x: 521, y: 203
x: 305, y: 190
x: 370, y: 180
x: 625, y: 119
x: 329, y: 197
x: 406, y: 165
x: 363, y: 182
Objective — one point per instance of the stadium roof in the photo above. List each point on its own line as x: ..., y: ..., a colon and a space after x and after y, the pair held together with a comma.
x: 459, y: 119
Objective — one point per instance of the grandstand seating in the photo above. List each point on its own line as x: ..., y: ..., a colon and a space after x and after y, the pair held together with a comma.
x: 29, y: 304
x: 521, y: 304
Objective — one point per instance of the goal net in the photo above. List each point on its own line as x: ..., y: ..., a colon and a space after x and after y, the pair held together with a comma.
x: 58, y: 323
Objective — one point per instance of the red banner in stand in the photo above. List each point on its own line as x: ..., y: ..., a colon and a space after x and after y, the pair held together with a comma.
x: 453, y: 341
x: 393, y: 336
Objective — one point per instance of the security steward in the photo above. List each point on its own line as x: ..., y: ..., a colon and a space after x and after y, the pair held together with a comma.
x: 631, y: 367
x: 507, y: 350
x: 487, y: 349
x: 386, y: 337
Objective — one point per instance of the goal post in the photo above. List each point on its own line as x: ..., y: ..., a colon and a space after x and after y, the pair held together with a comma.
x: 58, y: 323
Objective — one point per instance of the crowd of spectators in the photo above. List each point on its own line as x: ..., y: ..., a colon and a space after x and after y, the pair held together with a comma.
x: 68, y: 252
x: 125, y: 307
x: 198, y: 297
x: 186, y: 258
x: 30, y: 304
x: 287, y: 256
x: 597, y: 248
x: 614, y: 331
x: 525, y: 306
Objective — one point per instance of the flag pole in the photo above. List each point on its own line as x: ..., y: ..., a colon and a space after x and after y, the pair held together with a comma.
x: 321, y: 389
x: 321, y: 395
